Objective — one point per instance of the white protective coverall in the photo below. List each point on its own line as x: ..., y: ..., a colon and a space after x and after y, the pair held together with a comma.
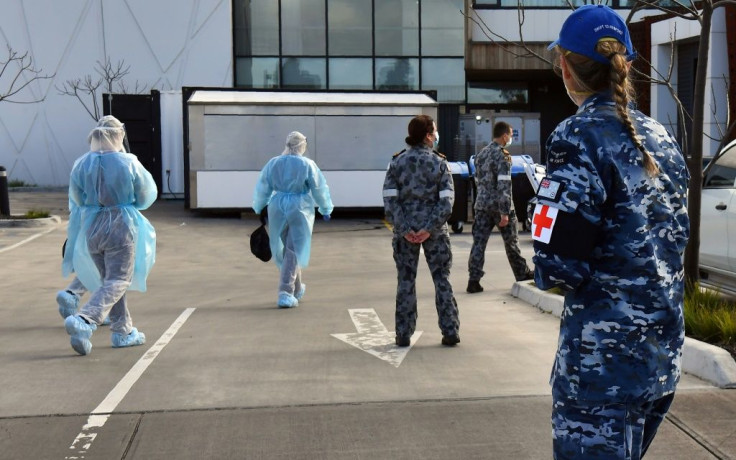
x: 291, y: 186
x: 111, y: 245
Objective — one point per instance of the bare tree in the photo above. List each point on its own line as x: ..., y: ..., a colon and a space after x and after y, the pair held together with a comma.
x: 110, y: 78
x: 701, y: 11
x: 17, y: 71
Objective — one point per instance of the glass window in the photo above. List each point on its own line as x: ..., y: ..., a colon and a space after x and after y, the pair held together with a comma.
x: 543, y: 3
x: 257, y: 72
x: 723, y: 172
x: 397, y: 74
x: 627, y: 4
x: 442, y: 28
x: 446, y: 76
x: 303, y: 27
x: 498, y: 93
x: 303, y: 73
x: 346, y: 73
x: 256, y: 27
x: 624, y: 4
x: 349, y: 27
x: 397, y: 27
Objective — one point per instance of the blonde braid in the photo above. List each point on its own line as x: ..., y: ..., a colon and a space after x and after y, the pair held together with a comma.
x: 622, y: 92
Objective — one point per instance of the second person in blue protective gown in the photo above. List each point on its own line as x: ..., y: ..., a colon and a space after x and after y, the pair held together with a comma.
x: 111, y: 246
x: 292, y: 186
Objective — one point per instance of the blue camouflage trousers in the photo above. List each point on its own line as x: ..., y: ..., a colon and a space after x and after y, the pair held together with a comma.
x: 483, y: 223
x: 439, y: 259
x: 583, y: 431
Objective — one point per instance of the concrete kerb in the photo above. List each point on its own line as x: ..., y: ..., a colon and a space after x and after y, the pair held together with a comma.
x: 29, y: 222
x: 703, y: 360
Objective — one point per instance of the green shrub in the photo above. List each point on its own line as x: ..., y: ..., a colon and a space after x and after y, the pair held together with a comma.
x: 36, y: 214
x: 19, y: 183
x: 709, y: 317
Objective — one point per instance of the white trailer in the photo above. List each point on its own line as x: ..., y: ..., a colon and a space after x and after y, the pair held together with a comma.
x: 351, y: 136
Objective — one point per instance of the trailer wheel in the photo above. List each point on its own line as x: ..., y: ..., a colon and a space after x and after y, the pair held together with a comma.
x: 457, y: 227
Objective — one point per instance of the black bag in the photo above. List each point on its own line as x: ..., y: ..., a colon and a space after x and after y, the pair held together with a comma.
x: 260, y: 244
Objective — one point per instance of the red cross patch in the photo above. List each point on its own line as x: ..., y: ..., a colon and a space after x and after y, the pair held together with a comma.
x: 542, y: 222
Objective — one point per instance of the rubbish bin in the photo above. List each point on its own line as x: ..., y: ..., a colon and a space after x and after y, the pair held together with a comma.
x: 460, y: 177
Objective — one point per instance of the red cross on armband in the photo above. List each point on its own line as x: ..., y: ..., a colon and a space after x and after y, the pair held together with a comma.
x: 542, y: 223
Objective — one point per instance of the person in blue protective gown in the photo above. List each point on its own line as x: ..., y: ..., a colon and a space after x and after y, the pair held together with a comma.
x: 291, y: 186
x: 111, y: 246
x: 610, y: 229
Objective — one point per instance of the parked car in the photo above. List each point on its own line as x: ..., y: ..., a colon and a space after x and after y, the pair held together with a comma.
x: 718, y: 223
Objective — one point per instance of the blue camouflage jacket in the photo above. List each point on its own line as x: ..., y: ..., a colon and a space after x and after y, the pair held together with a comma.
x: 493, y: 179
x: 418, y: 191
x: 613, y: 238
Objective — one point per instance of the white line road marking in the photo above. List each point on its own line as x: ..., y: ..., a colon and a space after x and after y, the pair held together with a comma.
x: 28, y: 240
x: 373, y: 337
x: 99, y: 416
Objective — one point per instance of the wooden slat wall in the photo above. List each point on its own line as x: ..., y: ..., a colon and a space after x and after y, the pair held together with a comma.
x: 485, y: 56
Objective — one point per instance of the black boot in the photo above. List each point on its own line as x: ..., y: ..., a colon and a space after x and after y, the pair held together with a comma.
x: 403, y: 341
x: 450, y: 340
x: 529, y: 275
x: 474, y: 286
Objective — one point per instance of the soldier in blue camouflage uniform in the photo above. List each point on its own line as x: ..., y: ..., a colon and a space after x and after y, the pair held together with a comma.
x: 494, y: 207
x: 418, y: 194
x: 610, y: 229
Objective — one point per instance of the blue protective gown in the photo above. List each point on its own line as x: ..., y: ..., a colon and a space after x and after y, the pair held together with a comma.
x: 108, y: 190
x: 291, y: 186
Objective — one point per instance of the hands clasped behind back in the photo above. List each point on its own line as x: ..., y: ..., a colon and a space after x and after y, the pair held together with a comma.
x: 417, y: 237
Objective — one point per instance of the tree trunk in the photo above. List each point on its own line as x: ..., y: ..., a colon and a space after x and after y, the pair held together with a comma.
x: 695, y: 152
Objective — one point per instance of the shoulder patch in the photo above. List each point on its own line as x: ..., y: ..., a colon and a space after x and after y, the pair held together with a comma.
x: 543, y: 222
x: 439, y: 154
x: 559, y: 152
x: 550, y: 189
x: 398, y: 153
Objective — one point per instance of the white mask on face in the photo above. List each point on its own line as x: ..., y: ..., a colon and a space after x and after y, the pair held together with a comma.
x: 508, y: 144
x: 436, y: 139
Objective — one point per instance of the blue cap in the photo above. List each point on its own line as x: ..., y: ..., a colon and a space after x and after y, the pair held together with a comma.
x: 587, y: 25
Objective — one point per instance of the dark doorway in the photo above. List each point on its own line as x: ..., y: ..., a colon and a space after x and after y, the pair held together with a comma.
x: 141, y: 114
x: 687, y: 64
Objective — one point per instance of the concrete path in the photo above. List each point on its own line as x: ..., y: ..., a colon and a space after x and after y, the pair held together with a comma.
x: 227, y: 375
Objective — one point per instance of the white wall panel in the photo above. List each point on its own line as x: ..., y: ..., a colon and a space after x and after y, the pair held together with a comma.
x: 167, y: 44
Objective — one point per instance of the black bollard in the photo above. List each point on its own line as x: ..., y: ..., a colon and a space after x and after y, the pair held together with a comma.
x: 4, y: 199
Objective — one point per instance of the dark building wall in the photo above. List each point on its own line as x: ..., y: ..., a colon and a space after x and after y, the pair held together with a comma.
x: 731, y: 40
x: 550, y: 99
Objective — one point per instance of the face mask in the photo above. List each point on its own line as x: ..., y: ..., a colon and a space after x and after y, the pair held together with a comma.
x: 508, y: 144
x: 436, y: 139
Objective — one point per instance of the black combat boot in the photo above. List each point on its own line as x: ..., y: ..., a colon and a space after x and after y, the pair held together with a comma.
x: 451, y: 340
x: 474, y: 286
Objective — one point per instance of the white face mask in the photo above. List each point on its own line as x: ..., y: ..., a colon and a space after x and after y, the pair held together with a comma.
x: 508, y: 144
x: 436, y: 139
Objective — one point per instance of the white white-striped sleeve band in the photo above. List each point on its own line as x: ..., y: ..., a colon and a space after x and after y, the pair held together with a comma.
x: 504, y: 177
x: 389, y: 192
x: 446, y: 193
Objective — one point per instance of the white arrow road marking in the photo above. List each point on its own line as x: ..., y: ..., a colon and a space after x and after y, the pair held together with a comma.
x: 97, y: 419
x: 373, y: 337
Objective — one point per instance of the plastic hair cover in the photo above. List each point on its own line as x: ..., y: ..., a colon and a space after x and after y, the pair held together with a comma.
x: 296, y: 144
x: 107, y: 136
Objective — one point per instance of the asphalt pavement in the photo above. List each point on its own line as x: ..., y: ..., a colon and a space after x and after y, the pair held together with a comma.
x: 227, y: 375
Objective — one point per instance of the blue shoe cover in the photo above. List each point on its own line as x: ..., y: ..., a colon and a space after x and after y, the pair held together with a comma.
x: 81, y: 332
x: 300, y: 294
x: 134, y: 338
x: 287, y: 300
x: 68, y: 303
